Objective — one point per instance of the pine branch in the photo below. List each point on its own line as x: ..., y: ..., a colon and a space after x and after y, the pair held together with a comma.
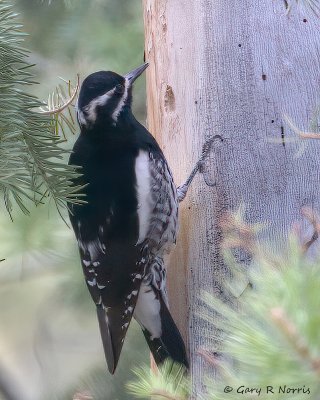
x: 291, y: 332
x: 270, y: 334
x: 299, y: 132
x: 31, y: 156
x: 58, y: 107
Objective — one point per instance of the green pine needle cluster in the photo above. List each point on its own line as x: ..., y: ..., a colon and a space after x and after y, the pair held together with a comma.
x: 169, y: 382
x: 31, y: 155
x: 271, y: 338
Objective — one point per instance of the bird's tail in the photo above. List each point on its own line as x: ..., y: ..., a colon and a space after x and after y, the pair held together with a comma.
x: 170, y: 344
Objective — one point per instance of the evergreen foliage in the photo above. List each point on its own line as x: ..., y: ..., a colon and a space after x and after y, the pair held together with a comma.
x: 272, y: 338
x: 30, y: 152
x: 270, y: 332
x: 58, y: 106
x: 170, y: 382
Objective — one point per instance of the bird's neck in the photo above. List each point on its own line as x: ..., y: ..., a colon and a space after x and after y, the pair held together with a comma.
x: 105, y: 125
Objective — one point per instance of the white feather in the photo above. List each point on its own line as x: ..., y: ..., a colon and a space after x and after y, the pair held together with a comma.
x: 94, y: 248
x: 143, y: 193
x: 147, y: 311
x: 93, y: 282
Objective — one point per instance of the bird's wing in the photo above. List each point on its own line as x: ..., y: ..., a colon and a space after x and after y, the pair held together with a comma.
x: 114, y: 265
x: 113, y: 274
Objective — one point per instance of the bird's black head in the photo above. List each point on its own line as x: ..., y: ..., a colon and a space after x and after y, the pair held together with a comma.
x: 105, y: 96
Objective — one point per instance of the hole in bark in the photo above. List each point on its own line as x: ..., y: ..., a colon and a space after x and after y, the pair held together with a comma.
x: 286, y: 4
x: 305, y: 20
x: 264, y: 77
x: 169, y: 99
x: 272, y: 121
x: 196, y: 102
x: 239, y: 45
x: 282, y: 136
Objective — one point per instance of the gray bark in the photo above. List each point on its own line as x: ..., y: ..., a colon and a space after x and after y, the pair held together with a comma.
x: 232, y: 68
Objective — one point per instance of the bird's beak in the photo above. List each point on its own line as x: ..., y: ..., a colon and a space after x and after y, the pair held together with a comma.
x: 134, y: 74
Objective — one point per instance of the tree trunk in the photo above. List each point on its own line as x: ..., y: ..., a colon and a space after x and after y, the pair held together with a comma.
x: 232, y: 68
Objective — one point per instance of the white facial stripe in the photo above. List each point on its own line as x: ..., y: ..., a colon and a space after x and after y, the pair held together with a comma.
x: 122, y: 102
x: 81, y: 120
x: 90, y: 114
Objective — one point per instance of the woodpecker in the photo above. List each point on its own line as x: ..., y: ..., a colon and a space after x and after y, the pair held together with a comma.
x: 129, y: 220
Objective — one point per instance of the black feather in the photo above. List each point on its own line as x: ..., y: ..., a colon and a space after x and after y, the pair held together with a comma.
x: 170, y: 344
x: 108, y: 347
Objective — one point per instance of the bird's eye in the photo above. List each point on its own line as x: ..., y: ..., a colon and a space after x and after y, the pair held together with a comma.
x: 119, y: 88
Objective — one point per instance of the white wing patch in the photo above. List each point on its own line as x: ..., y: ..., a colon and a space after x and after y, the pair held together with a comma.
x: 143, y: 193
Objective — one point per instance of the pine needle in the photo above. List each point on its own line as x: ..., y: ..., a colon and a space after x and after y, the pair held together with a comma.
x: 168, y: 383
x: 58, y: 107
x: 31, y: 156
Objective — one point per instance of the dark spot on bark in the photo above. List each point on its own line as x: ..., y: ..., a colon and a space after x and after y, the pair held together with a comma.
x: 169, y: 99
x: 239, y: 45
x: 282, y: 137
x: 196, y: 102
x: 163, y: 21
x: 305, y: 20
x: 264, y: 77
x: 286, y: 4
x: 272, y: 121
